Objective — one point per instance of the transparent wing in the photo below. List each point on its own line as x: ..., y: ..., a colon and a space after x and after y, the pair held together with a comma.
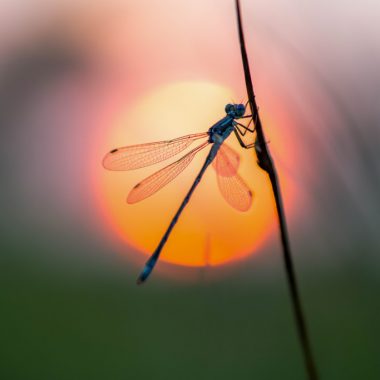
x: 159, y: 179
x: 233, y: 188
x: 236, y: 192
x: 138, y: 156
x: 226, y: 162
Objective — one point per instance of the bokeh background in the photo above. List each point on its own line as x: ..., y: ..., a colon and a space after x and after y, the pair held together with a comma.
x: 70, y: 308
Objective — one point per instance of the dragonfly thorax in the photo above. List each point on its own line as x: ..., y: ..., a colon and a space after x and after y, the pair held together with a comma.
x: 221, y: 129
x: 235, y: 110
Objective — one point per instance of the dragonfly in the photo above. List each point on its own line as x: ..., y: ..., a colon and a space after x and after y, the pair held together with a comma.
x: 223, y: 158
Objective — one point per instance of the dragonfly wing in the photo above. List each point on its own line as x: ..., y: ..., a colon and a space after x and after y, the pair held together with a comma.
x: 236, y: 192
x: 226, y: 162
x: 158, y: 180
x: 233, y: 188
x: 138, y: 156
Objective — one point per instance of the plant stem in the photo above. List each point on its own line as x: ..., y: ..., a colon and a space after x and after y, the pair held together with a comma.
x: 265, y: 162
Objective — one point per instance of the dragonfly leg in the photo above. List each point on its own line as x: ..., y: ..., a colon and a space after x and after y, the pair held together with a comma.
x: 254, y: 125
x: 241, y: 133
x: 245, y: 127
x: 241, y: 142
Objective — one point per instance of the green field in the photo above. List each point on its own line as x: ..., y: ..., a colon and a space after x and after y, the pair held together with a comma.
x: 59, y: 324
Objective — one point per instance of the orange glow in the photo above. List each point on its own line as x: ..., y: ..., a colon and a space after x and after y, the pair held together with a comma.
x: 209, y: 231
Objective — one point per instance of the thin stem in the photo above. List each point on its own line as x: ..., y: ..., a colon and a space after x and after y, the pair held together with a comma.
x: 265, y: 161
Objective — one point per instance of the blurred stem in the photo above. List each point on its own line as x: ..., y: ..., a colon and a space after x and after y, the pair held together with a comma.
x: 265, y: 162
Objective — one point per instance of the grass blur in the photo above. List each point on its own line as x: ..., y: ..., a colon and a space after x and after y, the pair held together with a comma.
x: 98, y: 324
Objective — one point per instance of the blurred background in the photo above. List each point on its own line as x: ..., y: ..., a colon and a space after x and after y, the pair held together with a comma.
x: 69, y: 72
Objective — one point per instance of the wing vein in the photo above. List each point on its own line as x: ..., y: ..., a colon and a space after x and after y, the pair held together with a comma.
x: 159, y: 179
x: 141, y: 155
x: 232, y: 187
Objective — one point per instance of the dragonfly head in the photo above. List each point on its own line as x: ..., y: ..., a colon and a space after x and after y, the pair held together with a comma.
x: 235, y: 110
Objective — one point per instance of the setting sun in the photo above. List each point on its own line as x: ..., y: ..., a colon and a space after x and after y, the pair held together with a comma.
x: 209, y: 232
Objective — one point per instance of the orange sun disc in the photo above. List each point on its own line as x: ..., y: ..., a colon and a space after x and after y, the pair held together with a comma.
x: 209, y: 232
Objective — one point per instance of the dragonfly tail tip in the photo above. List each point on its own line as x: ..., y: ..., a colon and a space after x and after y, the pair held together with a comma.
x: 142, y: 278
x: 146, y: 271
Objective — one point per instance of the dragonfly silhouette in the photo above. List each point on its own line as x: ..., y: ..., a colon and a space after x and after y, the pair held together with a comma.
x: 224, y: 159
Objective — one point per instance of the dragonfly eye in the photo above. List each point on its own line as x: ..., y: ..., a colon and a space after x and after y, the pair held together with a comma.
x: 229, y: 108
x: 240, y: 109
